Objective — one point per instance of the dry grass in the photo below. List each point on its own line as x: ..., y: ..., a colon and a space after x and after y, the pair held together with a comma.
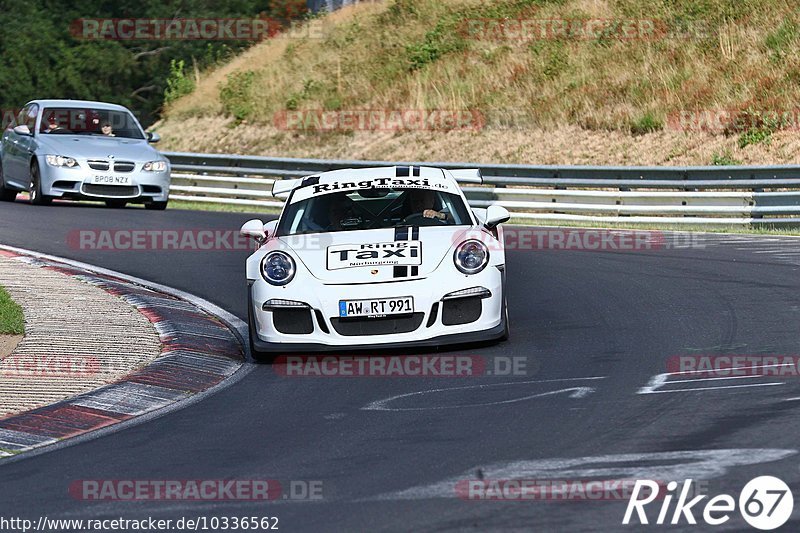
x: 576, y: 100
x: 565, y: 145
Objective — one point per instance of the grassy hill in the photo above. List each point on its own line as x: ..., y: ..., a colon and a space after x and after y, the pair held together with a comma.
x: 586, y: 82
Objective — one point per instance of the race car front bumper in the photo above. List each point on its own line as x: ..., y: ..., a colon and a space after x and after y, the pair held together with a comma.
x: 438, y: 319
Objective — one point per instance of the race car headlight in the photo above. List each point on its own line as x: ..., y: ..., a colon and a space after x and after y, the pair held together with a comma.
x: 278, y: 268
x: 61, y: 161
x: 155, y: 166
x: 471, y: 257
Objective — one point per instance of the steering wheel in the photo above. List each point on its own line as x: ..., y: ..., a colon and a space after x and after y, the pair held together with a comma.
x: 418, y: 219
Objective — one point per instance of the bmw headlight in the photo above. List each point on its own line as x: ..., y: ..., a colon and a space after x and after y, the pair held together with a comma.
x: 61, y: 161
x: 155, y: 166
x: 278, y: 268
x: 471, y: 256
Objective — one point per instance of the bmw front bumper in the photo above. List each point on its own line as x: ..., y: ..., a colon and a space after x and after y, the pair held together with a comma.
x: 76, y: 183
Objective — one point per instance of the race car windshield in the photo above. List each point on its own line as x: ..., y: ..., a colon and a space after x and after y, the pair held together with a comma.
x: 83, y: 121
x: 373, y: 209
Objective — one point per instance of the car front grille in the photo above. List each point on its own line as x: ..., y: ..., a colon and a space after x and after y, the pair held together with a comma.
x: 293, y: 321
x: 117, y: 191
x: 356, y: 327
x: 98, y: 165
x: 461, y: 311
x: 118, y: 166
x: 124, y: 166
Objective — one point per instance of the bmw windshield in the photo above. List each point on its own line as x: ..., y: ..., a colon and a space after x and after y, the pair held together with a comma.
x: 82, y: 121
x: 373, y: 208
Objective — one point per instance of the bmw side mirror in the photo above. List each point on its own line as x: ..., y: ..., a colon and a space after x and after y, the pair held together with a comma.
x: 254, y: 229
x: 22, y: 129
x: 153, y: 137
x: 496, y: 215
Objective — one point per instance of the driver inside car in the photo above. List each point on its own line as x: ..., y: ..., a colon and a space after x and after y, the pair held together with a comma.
x: 423, y: 201
x: 52, y: 124
x: 330, y: 214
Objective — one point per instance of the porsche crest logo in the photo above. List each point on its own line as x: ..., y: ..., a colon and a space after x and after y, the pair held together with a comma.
x: 374, y: 271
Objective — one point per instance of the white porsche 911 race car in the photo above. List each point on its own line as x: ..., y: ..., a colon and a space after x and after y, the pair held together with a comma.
x: 376, y: 258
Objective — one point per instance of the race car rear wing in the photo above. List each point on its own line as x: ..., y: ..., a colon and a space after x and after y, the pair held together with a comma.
x: 284, y: 187
x: 468, y: 175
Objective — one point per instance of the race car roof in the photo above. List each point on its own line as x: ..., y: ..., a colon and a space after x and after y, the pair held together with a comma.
x: 379, y: 177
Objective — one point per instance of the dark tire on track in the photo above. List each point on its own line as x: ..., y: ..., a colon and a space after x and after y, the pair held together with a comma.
x: 37, y: 198
x: 156, y: 206
x: 506, y: 330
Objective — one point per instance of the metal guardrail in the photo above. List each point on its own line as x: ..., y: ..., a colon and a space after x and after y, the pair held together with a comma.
x: 682, y: 195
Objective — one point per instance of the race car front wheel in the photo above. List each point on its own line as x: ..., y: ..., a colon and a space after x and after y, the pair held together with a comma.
x: 506, y: 330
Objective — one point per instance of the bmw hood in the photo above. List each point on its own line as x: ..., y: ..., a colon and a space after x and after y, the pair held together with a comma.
x: 97, y: 147
x: 374, y: 256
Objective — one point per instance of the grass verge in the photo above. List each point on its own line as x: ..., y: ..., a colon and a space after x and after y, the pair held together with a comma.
x: 12, y: 321
x: 749, y: 230
x: 225, y: 208
x: 696, y: 228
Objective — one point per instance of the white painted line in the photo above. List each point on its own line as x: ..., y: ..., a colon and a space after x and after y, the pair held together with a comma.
x: 714, y: 379
x: 576, y: 392
x: 694, y: 464
x: 712, y: 388
x: 659, y: 380
x: 655, y: 382
x: 731, y: 369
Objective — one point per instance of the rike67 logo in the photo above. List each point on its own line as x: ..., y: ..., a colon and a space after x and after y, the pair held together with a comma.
x: 765, y: 503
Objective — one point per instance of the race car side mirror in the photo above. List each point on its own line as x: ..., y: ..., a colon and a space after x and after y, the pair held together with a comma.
x: 153, y: 137
x: 254, y: 229
x: 496, y: 215
x: 22, y: 129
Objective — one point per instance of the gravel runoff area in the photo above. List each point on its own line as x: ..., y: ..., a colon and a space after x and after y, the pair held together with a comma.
x: 8, y: 343
x: 78, y: 337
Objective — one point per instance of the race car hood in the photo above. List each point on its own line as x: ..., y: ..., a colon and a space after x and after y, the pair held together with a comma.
x: 374, y: 256
x: 98, y: 147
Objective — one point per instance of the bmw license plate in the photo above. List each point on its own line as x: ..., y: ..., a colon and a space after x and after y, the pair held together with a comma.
x: 376, y: 308
x: 111, y: 180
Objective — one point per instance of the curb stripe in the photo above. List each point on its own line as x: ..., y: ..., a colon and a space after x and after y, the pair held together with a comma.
x: 199, y: 352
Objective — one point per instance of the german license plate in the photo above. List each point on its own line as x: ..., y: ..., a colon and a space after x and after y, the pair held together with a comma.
x: 111, y: 180
x: 376, y: 308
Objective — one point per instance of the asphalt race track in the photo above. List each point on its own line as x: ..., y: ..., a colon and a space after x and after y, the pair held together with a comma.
x: 594, y: 328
